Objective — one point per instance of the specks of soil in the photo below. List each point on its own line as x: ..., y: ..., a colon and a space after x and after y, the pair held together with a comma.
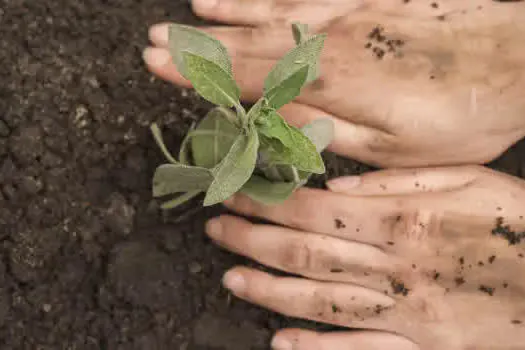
x: 390, y: 243
x: 436, y: 276
x: 378, y: 309
x: 398, y: 287
x: 459, y: 281
x: 339, y: 224
x: 505, y: 232
x: 462, y: 261
x: 491, y: 259
x: 434, y: 5
x: 336, y: 270
x: 516, y: 322
x: 505, y: 285
x: 336, y: 309
x: 382, y: 44
x: 488, y: 290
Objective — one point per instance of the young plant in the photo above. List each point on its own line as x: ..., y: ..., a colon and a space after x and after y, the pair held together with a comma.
x: 231, y: 150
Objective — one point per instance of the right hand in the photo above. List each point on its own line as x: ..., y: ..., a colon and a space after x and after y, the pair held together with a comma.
x: 454, y: 97
x: 432, y: 257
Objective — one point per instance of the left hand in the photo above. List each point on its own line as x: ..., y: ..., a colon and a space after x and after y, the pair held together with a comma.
x: 406, y: 256
x: 459, y: 79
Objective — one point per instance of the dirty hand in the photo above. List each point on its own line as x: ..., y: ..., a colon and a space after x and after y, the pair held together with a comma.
x: 417, y: 259
x: 407, y: 83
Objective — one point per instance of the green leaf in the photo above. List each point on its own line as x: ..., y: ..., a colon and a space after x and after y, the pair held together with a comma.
x: 180, y: 199
x: 235, y: 169
x: 188, y: 39
x: 157, y: 135
x: 320, y: 132
x: 300, y: 32
x: 288, y: 89
x: 267, y: 192
x: 208, y: 150
x: 211, y: 81
x: 285, y: 144
x: 306, y: 53
x: 184, y: 157
x: 173, y: 178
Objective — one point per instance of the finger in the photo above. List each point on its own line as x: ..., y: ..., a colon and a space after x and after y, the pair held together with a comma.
x: 360, y: 219
x: 298, y: 339
x: 249, y: 73
x: 253, y: 42
x: 312, y: 255
x: 158, y: 61
x: 404, y: 181
x: 358, y: 142
x: 251, y: 12
x: 418, y: 9
x: 335, y: 303
x: 277, y: 12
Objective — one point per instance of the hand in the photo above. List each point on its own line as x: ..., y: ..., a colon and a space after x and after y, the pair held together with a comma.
x: 450, y: 91
x: 416, y: 259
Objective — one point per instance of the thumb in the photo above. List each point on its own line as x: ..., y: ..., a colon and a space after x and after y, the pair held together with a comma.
x: 351, y: 140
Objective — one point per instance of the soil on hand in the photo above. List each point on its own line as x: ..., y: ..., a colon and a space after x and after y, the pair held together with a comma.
x: 88, y: 261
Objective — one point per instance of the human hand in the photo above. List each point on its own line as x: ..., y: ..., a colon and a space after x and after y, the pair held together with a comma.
x: 450, y: 91
x: 407, y: 256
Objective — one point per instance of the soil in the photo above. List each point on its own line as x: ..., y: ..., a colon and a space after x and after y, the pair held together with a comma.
x: 87, y: 259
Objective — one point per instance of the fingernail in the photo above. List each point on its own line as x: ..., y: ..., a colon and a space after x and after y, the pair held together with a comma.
x: 281, y: 343
x: 204, y: 5
x: 214, y: 228
x: 234, y: 281
x: 158, y: 33
x: 342, y: 184
x: 156, y: 57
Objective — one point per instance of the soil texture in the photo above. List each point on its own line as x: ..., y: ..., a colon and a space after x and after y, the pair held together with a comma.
x: 87, y: 259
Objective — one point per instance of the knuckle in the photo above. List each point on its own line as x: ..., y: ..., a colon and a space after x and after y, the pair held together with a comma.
x: 297, y: 256
x: 247, y: 35
x: 415, y: 225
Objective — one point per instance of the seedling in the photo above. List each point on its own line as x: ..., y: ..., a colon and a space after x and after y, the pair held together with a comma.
x: 231, y: 150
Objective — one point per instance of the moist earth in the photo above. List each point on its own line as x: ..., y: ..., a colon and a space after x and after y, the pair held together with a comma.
x: 87, y: 259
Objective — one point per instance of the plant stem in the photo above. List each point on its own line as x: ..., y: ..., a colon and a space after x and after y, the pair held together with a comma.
x: 295, y: 174
x: 241, y: 114
x: 232, y: 117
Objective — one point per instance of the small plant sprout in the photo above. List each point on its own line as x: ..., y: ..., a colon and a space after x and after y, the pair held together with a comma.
x: 232, y: 150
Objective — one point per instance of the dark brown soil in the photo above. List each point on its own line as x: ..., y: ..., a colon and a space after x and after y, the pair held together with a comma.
x: 87, y: 259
